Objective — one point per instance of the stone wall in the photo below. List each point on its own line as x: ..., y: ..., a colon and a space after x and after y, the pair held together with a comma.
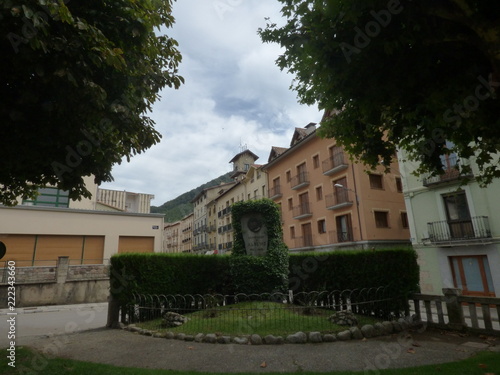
x: 57, y: 285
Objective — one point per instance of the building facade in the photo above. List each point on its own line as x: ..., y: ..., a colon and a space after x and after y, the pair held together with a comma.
x: 328, y: 201
x: 455, y: 229
x: 186, y: 233
x: 171, y: 235
x: 38, y: 231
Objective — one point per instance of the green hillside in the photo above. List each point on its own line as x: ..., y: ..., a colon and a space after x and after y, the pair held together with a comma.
x: 179, y: 207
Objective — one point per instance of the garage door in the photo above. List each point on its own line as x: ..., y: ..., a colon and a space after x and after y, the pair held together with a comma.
x: 131, y: 244
x: 44, y: 250
x: 19, y: 248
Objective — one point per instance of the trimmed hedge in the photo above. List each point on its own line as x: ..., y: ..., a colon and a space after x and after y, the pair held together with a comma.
x: 202, y: 274
x: 339, y: 270
x: 161, y: 273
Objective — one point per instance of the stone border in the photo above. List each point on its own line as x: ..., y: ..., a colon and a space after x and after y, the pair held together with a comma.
x: 353, y: 333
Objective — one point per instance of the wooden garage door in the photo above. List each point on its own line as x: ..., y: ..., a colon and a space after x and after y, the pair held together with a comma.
x: 50, y: 248
x: 19, y: 248
x: 93, y: 251
x: 129, y: 244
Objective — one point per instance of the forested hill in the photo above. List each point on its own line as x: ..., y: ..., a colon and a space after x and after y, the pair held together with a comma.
x: 179, y: 207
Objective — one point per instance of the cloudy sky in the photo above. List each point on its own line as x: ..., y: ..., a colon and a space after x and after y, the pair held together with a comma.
x: 234, y: 96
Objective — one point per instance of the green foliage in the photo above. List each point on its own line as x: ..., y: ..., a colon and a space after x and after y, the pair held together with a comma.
x: 399, y: 74
x: 396, y: 269
x: 78, y: 78
x: 252, y: 274
x: 169, y: 274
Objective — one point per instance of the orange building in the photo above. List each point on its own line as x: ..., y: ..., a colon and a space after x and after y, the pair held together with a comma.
x: 328, y: 201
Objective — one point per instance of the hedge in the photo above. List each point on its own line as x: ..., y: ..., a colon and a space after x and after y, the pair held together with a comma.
x: 202, y: 274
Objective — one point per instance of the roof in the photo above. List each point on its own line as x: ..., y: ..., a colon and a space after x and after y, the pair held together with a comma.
x: 255, y: 157
x: 275, y: 152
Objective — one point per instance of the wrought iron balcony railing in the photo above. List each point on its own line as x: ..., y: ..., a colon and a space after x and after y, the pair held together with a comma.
x: 477, y: 227
x: 334, y: 163
x: 340, y: 198
x: 302, y: 211
x: 299, y: 181
x: 275, y: 192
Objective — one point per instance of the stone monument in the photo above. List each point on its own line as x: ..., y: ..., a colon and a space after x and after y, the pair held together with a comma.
x: 254, y: 232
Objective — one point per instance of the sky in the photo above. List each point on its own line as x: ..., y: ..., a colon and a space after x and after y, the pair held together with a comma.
x: 234, y: 97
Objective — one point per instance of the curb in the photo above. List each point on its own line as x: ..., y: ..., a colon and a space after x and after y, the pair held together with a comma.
x: 385, y: 328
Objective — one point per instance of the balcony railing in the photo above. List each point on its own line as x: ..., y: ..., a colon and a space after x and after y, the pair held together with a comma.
x: 302, y: 211
x: 477, y: 227
x: 339, y: 199
x: 299, y: 181
x: 304, y: 241
x: 275, y: 192
x: 224, y: 212
x: 341, y: 236
x: 334, y: 163
x: 450, y: 173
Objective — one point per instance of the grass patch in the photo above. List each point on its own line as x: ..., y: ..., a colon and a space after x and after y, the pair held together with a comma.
x: 31, y: 362
x: 263, y: 318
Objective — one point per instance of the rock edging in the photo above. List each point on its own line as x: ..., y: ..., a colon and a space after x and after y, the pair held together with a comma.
x: 353, y: 333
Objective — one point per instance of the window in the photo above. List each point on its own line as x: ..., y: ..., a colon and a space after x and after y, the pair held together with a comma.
x: 404, y: 219
x: 458, y: 215
x: 49, y: 197
x: 399, y: 185
x: 319, y: 193
x: 376, y: 181
x: 288, y: 176
x: 344, y: 228
x: 290, y: 204
x: 292, y: 232
x: 321, y: 226
x: 247, y: 167
x: 381, y: 219
x: 316, y: 161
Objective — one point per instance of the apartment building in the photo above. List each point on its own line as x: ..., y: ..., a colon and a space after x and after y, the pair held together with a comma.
x: 329, y: 201
x: 200, y: 215
x: 455, y: 228
x: 37, y: 232
x: 250, y: 183
x: 171, y: 235
x: 186, y: 233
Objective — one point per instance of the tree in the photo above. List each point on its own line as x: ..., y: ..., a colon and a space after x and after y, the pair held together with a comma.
x: 415, y: 75
x: 77, y: 80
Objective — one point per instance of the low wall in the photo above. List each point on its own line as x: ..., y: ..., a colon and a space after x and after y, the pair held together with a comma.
x: 61, y: 284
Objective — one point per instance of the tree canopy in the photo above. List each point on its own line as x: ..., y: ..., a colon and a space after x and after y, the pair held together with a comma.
x: 421, y: 76
x: 77, y: 81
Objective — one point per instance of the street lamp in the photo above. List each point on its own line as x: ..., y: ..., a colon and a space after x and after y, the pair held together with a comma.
x: 357, y: 207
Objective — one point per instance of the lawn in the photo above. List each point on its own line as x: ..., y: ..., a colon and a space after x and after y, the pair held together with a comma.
x: 263, y: 318
x: 29, y: 362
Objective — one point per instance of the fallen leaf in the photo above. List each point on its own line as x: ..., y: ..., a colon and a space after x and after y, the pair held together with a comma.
x: 482, y: 365
x: 190, y: 347
x: 411, y: 351
x: 364, y: 339
x: 416, y: 344
x: 263, y: 364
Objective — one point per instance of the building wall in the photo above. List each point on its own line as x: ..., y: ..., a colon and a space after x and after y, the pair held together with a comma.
x: 186, y: 234
x: 32, y: 221
x: 171, y: 237
x: 314, y: 224
x: 426, y: 204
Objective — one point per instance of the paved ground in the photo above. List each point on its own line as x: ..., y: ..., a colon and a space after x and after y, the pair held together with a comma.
x: 123, y: 348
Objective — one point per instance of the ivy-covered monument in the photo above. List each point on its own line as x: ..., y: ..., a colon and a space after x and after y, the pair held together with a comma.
x: 259, y: 260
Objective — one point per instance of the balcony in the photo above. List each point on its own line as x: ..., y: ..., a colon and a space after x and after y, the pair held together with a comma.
x: 299, y: 181
x: 454, y: 232
x: 451, y: 173
x: 275, y: 192
x: 334, y: 164
x: 341, y: 236
x: 226, y: 211
x: 225, y: 228
x: 302, y: 211
x: 305, y: 241
x: 339, y: 199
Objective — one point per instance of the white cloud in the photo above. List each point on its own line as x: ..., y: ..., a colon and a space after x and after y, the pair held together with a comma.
x: 234, y: 95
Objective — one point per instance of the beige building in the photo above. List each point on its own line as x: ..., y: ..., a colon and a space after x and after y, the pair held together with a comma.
x: 40, y: 230
x: 171, y: 235
x: 200, y: 215
x: 328, y: 201
x: 186, y: 233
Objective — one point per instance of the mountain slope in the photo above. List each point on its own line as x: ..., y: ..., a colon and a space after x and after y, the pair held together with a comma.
x: 179, y: 207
